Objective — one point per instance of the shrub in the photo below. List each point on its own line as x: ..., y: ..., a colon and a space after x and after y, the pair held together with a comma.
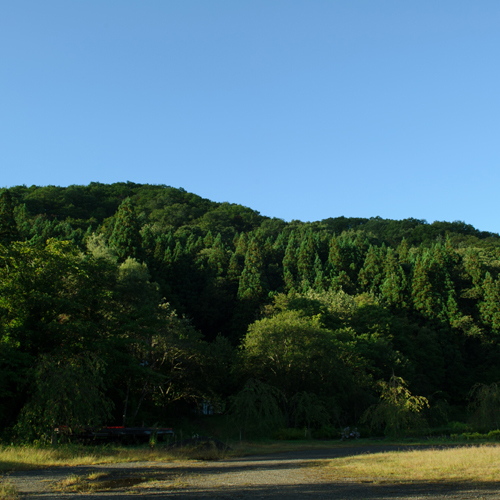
x: 327, y: 432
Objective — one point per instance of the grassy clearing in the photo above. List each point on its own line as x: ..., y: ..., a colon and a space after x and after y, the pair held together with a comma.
x: 29, y: 457
x: 8, y: 491
x: 464, y: 464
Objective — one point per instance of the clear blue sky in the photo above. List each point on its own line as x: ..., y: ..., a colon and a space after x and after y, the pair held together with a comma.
x: 298, y: 109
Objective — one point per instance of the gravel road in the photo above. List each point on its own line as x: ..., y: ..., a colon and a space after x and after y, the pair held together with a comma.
x: 271, y: 477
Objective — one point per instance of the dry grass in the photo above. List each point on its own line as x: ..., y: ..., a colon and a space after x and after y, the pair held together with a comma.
x: 96, y: 482
x: 26, y: 457
x: 30, y: 457
x: 8, y: 491
x: 101, y: 481
x: 465, y: 464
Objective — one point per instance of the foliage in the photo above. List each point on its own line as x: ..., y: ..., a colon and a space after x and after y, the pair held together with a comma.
x: 67, y: 394
x: 307, y: 409
x: 256, y: 407
x: 485, y: 404
x: 327, y: 308
x: 398, y: 411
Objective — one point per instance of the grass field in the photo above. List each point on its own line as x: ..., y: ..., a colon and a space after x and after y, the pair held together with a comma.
x: 462, y: 464
x: 30, y: 457
x: 480, y: 463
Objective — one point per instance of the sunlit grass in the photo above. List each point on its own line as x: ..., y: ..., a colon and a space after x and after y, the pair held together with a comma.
x: 28, y: 457
x: 470, y: 464
x: 8, y: 491
x: 31, y: 457
x: 96, y: 482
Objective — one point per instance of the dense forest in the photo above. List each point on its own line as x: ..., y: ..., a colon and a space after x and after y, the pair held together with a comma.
x: 130, y: 304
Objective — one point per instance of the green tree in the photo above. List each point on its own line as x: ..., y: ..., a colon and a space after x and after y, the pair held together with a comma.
x: 252, y: 284
x: 398, y: 411
x: 256, y: 407
x: 422, y: 292
x: 485, y: 405
x: 8, y: 226
x: 296, y: 353
x: 371, y: 275
x: 68, y: 394
x: 290, y: 263
x: 490, y: 305
x: 126, y: 238
x: 308, y: 410
x: 394, y: 286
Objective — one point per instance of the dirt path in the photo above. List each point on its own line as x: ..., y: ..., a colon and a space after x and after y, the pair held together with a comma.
x: 270, y: 477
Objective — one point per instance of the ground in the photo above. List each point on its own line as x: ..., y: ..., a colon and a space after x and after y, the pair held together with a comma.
x: 271, y: 477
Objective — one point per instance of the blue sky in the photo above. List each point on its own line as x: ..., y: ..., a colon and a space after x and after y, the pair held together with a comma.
x: 298, y: 109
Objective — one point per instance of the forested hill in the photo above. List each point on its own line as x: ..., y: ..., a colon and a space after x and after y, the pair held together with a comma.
x: 178, y: 300
x: 61, y: 211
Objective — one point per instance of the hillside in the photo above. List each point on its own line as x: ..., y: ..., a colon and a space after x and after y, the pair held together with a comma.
x: 180, y: 300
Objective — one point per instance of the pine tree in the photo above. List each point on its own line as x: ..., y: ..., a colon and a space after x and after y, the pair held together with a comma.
x: 252, y: 284
x: 241, y: 245
x: 422, y: 293
x: 490, y: 306
x: 335, y: 259
x: 290, y: 263
x: 372, y: 273
x: 305, y: 261
x: 234, y: 270
x: 319, y: 277
x: 8, y: 226
x: 403, y: 252
x: 126, y: 238
x: 394, y: 287
x: 218, y: 257
x: 208, y: 240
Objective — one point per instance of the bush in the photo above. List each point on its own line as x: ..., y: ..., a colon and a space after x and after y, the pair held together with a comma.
x: 458, y: 427
x: 327, y: 432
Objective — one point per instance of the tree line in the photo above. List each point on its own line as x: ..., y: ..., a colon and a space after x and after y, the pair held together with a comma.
x: 128, y: 304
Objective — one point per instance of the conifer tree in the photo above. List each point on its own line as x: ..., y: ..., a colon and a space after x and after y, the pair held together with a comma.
x: 290, y: 263
x: 305, y: 261
x: 422, y: 293
x: 403, y: 252
x: 490, y: 305
x: 319, y: 277
x: 372, y: 273
x: 234, y: 270
x: 208, y: 240
x: 241, y: 245
x: 126, y: 238
x: 394, y: 287
x: 252, y: 284
x: 474, y: 271
x: 335, y: 261
x: 8, y: 226
x: 218, y: 257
